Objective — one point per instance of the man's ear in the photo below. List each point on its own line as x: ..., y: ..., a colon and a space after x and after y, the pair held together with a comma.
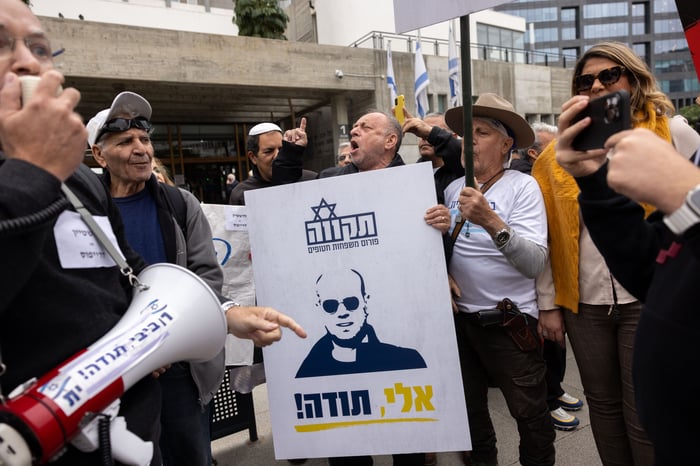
x: 252, y: 157
x: 97, y: 155
x: 391, y: 141
x: 533, y: 154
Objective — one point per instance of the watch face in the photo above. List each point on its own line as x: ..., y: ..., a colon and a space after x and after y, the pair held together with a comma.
x: 502, y: 238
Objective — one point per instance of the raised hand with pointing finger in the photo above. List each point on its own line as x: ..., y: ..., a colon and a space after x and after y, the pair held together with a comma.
x: 297, y: 135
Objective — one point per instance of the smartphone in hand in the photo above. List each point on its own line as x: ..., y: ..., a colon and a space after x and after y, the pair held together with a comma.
x: 609, y: 114
x: 399, y: 104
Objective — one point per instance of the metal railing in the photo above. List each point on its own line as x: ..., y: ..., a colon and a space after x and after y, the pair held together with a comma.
x: 439, y: 47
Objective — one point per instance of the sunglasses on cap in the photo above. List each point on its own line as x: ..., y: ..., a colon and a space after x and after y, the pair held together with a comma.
x: 119, y: 125
x: 608, y: 76
x: 331, y: 305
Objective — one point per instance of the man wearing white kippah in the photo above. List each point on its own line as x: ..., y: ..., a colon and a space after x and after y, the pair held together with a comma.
x: 276, y: 158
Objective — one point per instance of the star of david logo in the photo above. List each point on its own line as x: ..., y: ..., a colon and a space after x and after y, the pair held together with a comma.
x: 323, y: 205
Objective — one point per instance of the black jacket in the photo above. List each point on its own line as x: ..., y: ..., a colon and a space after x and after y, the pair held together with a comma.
x: 48, y: 312
x: 662, y: 271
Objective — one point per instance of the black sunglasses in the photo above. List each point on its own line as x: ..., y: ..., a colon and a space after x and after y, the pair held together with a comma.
x: 608, y: 76
x: 331, y: 305
x: 119, y: 125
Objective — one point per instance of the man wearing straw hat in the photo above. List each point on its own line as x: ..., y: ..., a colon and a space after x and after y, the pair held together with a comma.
x: 499, y: 230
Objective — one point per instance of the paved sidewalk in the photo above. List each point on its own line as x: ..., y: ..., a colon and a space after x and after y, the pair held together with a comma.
x: 573, y: 448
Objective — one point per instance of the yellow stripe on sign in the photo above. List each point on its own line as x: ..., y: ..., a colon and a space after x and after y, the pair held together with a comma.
x: 339, y: 425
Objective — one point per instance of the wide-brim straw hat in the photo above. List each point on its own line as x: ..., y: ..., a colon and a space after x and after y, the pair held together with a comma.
x: 493, y: 106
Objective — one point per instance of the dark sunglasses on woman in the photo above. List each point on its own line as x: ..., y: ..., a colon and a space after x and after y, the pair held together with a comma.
x: 607, y: 77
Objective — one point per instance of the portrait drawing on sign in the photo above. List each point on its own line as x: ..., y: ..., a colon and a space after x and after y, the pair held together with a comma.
x: 350, y: 344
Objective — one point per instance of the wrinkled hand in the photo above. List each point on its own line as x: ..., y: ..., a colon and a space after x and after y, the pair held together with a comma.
x: 297, y: 135
x: 577, y: 163
x: 260, y: 324
x: 46, y: 132
x: 640, y: 160
x: 455, y: 292
x: 551, y: 326
x: 439, y: 218
x: 473, y: 206
x: 416, y: 126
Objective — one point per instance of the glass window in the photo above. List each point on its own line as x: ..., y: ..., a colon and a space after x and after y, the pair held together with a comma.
x: 605, y: 10
x: 670, y: 45
x: 595, y: 31
x: 642, y: 50
x: 546, y: 54
x: 546, y: 35
x: 568, y: 34
x: 670, y: 66
x: 667, y: 25
x: 481, y: 33
x: 534, y: 15
x: 665, y: 6
x: 442, y: 103
x: 506, y: 38
x: 569, y: 14
x: 640, y: 9
x: 639, y: 28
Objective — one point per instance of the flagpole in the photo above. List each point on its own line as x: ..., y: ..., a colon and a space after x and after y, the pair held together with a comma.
x: 467, y: 101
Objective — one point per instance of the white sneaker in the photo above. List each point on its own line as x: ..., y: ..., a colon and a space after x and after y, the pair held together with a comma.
x: 563, y: 420
x: 569, y: 403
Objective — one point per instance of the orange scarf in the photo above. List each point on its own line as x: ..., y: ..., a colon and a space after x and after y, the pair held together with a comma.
x: 560, y: 193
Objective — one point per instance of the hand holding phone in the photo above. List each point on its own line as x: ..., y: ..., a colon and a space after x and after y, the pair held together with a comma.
x: 609, y: 114
x: 399, y: 104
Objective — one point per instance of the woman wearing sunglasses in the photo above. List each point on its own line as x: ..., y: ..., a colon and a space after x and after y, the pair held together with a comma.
x: 580, y: 296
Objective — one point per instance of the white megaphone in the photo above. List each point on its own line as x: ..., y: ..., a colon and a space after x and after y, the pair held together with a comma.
x: 175, y: 316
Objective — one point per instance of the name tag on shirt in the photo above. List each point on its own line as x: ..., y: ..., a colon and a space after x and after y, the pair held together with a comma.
x: 77, y: 247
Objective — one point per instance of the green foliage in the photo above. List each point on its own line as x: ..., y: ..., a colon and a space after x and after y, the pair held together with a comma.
x: 260, y: 18
x: 691, y: 113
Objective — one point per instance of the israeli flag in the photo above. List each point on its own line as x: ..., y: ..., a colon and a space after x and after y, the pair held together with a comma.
x: 390, y: 81
x: 453, y: 69
x: 422, y: 81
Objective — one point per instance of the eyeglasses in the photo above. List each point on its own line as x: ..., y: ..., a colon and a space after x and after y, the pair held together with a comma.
x: 608, y: 76
x: 331, y: 305
x: 38, y: 45
x: 119, y: 125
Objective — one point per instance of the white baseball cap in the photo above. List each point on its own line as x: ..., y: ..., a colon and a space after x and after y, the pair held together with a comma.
x: 126, y: 103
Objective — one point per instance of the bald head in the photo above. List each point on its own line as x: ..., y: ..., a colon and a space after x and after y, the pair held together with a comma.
x: 375, y: 139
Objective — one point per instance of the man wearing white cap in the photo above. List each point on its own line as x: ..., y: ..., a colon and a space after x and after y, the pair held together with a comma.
x: 276, y: 157
x: 163, y: 224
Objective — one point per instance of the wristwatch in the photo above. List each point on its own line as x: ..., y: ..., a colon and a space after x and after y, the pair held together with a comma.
x: 686, y: 215
x: 502, y: 237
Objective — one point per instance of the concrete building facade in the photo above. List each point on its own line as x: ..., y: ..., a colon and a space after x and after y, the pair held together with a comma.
x: 207, y: 89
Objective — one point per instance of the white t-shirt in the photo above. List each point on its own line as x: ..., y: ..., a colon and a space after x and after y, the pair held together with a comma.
x: 482, y: 272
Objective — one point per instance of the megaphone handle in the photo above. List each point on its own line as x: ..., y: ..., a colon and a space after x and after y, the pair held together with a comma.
x: 127, y: 447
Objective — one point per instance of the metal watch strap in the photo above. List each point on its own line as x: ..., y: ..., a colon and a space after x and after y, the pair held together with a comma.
x: 685, y: 216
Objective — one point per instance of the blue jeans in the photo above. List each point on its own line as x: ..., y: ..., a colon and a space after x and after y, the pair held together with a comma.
x: 185, y: 436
